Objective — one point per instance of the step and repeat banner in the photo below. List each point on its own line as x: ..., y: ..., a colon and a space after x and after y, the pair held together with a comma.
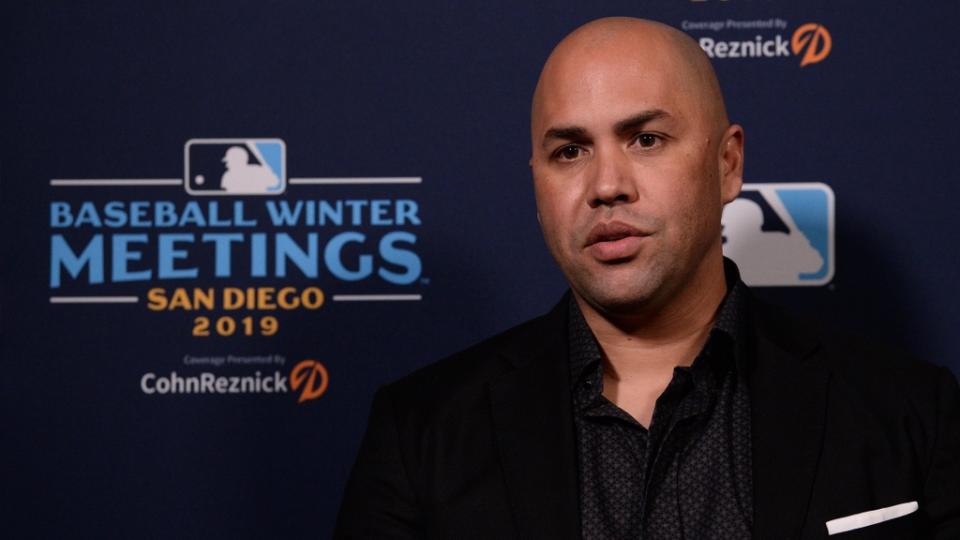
x: 226, y: 224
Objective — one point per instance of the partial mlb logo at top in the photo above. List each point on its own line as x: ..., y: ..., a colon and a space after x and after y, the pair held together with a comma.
x: 781, y: 234
x: 235, y: 166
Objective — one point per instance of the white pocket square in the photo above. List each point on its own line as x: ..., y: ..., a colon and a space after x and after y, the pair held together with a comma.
x: 872, y: 517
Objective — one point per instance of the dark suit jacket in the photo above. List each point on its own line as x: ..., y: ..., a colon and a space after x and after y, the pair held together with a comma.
x: 481, y: 445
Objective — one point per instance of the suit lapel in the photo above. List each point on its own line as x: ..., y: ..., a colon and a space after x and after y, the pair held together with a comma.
x: 788, y: 386
x: 533, y: 426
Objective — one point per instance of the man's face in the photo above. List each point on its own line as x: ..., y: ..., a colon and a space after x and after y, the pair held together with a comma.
x: 627, y: 174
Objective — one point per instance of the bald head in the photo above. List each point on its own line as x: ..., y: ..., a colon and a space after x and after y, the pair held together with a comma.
x: 647, y: 50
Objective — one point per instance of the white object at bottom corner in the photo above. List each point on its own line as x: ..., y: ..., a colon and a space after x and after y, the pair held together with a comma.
x: 872, y: 517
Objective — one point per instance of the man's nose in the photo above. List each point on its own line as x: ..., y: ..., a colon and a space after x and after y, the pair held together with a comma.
x: 612, y: 179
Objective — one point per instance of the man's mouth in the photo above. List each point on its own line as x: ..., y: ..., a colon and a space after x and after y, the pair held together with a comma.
x: 613, y: 241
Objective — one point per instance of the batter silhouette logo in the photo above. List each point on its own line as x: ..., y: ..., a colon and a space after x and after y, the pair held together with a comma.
x: 814, y: 41
x: 235, y: 166
x: 310, y: 378
x: 781, y: 234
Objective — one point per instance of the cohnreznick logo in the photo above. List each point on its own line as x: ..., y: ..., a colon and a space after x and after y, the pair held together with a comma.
x: 814, y: 41
x: 811, y: 41
x: 311, y: 378
x: 308, y: 376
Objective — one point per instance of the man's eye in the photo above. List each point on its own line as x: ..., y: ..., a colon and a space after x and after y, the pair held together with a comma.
x: 647, y: 140
x: 569, y: 152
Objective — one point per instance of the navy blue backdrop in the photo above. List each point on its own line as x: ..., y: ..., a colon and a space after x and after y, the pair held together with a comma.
x: 421, y: 105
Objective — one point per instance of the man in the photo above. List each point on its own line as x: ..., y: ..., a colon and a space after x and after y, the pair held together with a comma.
x: 658, y: 399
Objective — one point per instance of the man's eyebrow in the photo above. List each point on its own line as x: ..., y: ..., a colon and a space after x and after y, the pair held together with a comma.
x: 628, y: 125
x: 570, y: 133
x: 638, y: 120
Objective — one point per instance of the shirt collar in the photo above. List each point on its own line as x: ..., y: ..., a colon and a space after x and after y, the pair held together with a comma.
x: 583, y: 348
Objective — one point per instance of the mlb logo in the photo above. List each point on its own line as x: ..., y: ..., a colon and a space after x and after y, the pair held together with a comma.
x: 781, y: 234
x: 235, y: 166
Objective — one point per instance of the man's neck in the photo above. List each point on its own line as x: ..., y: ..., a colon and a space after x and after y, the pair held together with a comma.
x: 641, y: 350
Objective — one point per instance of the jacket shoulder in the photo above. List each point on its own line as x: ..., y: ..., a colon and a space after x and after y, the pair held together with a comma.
x: 465, y: 374
x: 866, y: 365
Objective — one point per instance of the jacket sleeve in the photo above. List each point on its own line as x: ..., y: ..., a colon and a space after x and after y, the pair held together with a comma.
x: 379, y: 501
x: 942, y: 488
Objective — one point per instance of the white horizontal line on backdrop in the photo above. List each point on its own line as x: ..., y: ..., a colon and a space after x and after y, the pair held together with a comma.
x: 67, y: 182
x: 378, y: 180
x: 62, y: 182
x: 377, y: 297
x: 94, y: 299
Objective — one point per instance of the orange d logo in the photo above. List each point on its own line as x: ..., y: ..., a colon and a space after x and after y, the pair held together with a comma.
x: 312, y: 376
x: 815, y: 42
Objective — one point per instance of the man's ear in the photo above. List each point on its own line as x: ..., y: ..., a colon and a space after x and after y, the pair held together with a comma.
x: 731, y: 163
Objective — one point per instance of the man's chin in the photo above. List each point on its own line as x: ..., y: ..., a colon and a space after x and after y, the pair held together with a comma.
x: 625, y: 299
x: 626, y: 289
x: 623, y: 306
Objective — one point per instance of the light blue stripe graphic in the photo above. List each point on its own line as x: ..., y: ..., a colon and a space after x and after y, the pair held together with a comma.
x: 273, y: 154
x: 809, y: 209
